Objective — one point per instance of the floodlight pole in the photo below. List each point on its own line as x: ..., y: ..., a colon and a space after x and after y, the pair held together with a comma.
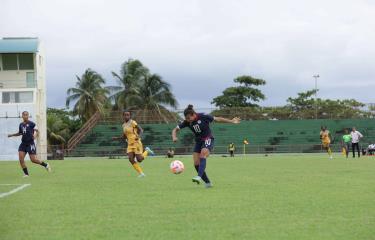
x: 316, y: 76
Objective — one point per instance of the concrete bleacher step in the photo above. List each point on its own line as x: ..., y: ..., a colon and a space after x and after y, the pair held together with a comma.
x: 257, y: 132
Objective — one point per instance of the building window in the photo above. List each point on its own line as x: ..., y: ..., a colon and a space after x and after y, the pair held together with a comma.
x: 25, y: 61
x: 18, y: 61
x: 17, y: 97
x: 30, y: 80
x: 10, y: 61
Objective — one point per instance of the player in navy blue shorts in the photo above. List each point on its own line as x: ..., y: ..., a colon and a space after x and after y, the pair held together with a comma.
x: 28, y: 131
x: 199, y: 124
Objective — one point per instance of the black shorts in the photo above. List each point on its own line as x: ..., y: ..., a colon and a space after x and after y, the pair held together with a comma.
x: 27, y: 148
x: 206, y: 143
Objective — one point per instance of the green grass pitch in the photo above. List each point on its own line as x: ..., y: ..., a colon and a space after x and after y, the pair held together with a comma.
x: 257, y: 197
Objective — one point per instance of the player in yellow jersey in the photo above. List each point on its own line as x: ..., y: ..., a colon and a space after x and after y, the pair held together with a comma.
x: 135, y: 151
x: 325, y: 136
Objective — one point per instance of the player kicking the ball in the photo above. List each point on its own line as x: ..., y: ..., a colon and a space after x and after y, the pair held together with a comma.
x: 132, y: 132
x: 29, y: 132
x: 199, y: 124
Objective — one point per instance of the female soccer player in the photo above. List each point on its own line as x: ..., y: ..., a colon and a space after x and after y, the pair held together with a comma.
x: 325, y: 136
x: 29, y: 132
x: 199, y: 124
x: 135, y: 152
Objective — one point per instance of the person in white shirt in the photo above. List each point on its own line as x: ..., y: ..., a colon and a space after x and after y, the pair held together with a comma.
x: 356, y: 136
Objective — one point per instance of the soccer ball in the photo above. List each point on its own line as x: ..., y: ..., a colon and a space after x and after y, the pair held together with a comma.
x: 177, y: 167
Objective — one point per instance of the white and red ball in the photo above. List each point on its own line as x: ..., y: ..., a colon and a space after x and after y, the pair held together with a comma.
x: 177, y: 167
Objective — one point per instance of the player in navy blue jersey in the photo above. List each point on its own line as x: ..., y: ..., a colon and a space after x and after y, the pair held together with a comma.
x: 199, y: 124
x: 29, y: 132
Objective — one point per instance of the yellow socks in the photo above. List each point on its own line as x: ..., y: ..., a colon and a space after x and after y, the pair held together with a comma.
x: 137, y: 168
x: 329, y: 151
x: 145, y: 154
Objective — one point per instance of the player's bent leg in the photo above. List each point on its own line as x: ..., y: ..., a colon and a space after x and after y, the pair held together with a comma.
x: 205, y: 152
x: 203, y: 160
x: 131, y: 157
x: 196, y: 158
x: 35, y: 160
x: 148, y: 151
x: 139, y: 157
x: 329, y: 151
x: 135, y: 164
x: 21, y: 157
x: 205, y: 178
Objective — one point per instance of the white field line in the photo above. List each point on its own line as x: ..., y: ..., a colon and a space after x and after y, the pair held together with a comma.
x: 21, y: 186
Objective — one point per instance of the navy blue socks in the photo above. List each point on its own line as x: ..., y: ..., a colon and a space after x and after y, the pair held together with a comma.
x: 201, y: 170
x: 202, y: 167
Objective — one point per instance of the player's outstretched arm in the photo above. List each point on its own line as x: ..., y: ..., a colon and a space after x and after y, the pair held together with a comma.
x: 174, y: 134
x: 14, y: 135
x: 235, y: 120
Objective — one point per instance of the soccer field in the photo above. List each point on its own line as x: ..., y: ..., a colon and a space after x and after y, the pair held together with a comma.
x: 257, y: 197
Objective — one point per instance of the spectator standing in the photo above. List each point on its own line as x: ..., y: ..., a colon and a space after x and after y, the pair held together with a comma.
x: 356, y: 137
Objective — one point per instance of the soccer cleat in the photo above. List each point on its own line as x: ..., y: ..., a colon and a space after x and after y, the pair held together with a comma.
x: 197, y: 179
x: 25, y: 176
x: 48, y: 168
x: 141, y: 175
x: 148, y: 149
x: 331, y: 157
x: 208, y: 185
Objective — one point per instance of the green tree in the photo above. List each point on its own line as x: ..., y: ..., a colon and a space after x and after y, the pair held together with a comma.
x: 154, y: 93
x: 346, y: 108
x: 129, y: 79
x: 89, y: 95
x: 303, y: 106
x: 72, y: 123
x: 244, y: 95
x: 143, y: 91
x: 57, y: 131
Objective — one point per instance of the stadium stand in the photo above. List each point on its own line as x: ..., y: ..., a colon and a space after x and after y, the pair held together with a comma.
x: 264, y: 136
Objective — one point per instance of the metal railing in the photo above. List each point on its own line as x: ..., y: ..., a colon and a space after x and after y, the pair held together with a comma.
x: 81, y: 133
x: 221, y: 150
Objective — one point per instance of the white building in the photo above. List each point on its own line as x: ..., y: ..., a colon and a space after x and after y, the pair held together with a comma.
x: 22, y: 88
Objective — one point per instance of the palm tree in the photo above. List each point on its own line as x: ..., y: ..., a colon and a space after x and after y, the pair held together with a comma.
x: 129, y: 78
x: 155, y: 94
x: 89, y: 95
x: 141, y: 89
x: 57, y: 130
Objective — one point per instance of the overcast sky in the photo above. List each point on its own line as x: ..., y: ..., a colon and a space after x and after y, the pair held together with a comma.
x: 200, y: 46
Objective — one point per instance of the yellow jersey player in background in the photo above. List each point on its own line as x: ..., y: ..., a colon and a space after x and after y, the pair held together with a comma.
x: 135, y: 151
x: 325, y: 136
